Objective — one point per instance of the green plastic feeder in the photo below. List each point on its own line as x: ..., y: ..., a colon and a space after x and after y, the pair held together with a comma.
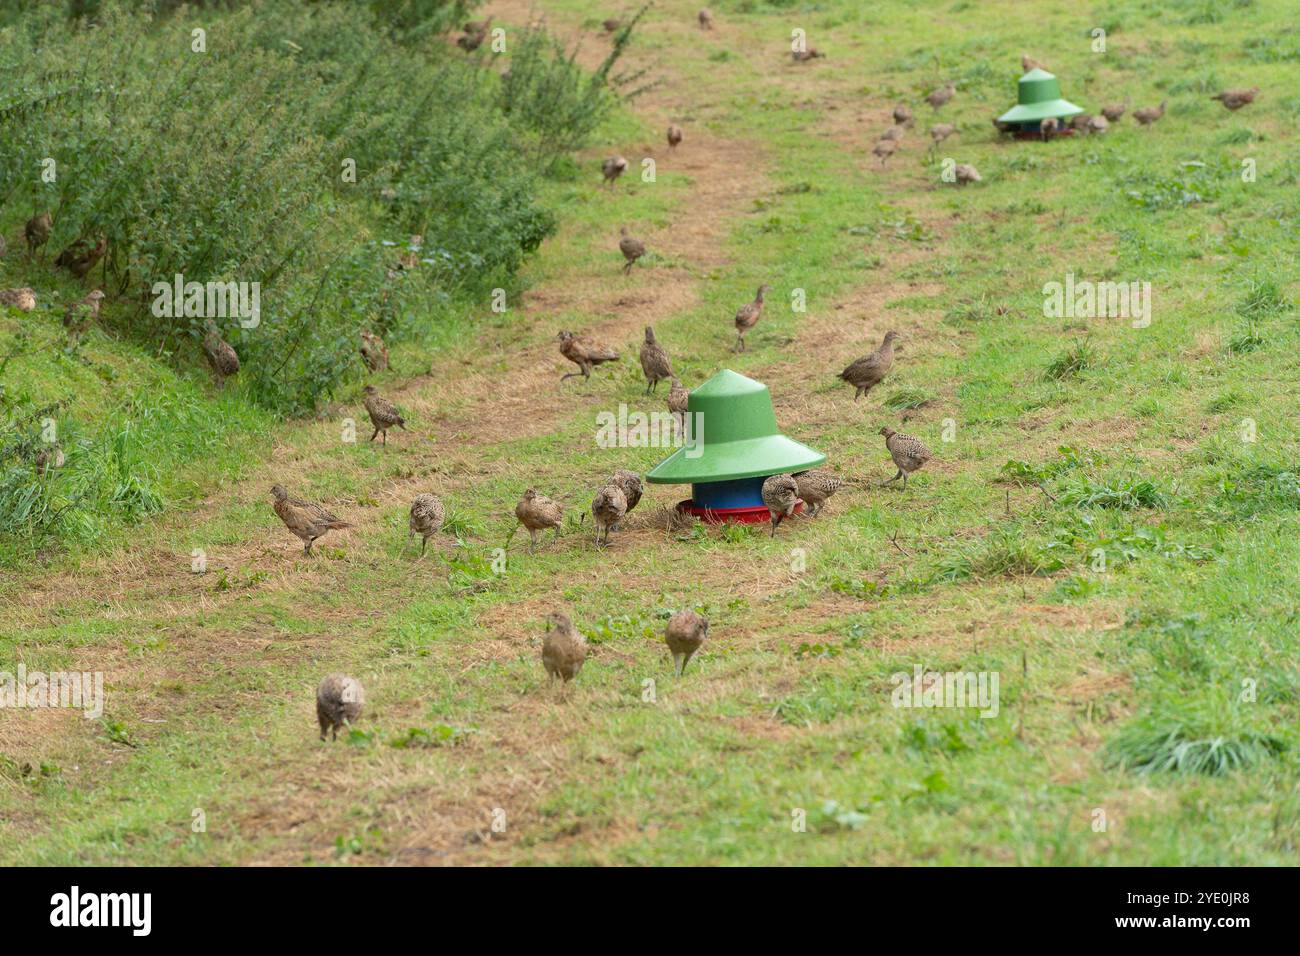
x: 1039, y: 96
x: 733, y: 444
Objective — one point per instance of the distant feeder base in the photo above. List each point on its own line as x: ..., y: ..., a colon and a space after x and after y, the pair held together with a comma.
x: 759, y: 515
x: 1038, y: 134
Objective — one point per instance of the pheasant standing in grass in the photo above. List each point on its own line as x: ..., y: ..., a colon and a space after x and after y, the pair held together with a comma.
x: 1049, y: 127
x: 612, y: 24
x: 584, y: 353
x: 1149, y: 114
x: 306, y: 519
x: 1113, y: 111
x: 654, y: 361
x: 674, y: 136
x: 80, y: 257
x: 806, y: 55
x: 908, y: 454
x: 608, y: 508
x: 894, y: 132
x: 1028, y: 63
x: 22, y: 299
x: 383, y: 414
x: 747, y: 317
x: 870, y: 370
x: 37, y: 232
x: 629, y: 482
x: 679, y: 402
x: 941, y: 96
x: 684, y: 635
x: 884, y: 149
x: 220, y: 354
x: 814, y: 487
x: 781, y: 495
x: 80, y: 314
x: 632, y: 249
x: 564, y: 650
x: 373, y: 351
x: 1080, y: 122
x: 1098, y: 125
x: 902, y: 115
x: 613, y: 168
x: 427, y: 515
x: 967, y: 173
x: 705, y: 17
x: 537, y: 513
x: 339, y: 700
x: 474, y: 38
x: 941, y: 131
x: 1236, y: 99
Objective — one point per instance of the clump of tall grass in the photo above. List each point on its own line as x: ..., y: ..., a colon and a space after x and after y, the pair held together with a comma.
x: 1188, y: 741
x: 1077, y: 358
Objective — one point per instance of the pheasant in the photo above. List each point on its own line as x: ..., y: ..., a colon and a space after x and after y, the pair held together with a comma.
x: 747, y: 317
x: 427, y: 515
x: 1148, y: 114
x: 941, y: 96
x: 805, y: 56
x: 220, y: 354
x: 632, y: 249
x: 1098, y: 125
x: 781, y: 495
x: 373, y: 351
x: 941, y: 131
x: 629, y: 482
x: 1049, y: 127
x: 383, y: 413
x: 584, y: 353
x: 674, y: 136
x: 894, y: 132
x: 613, y: 168
x: 339, y: 700
x: 608, y: 508
x: 654, y: 361
x: 51, y: 456
x: 564, y: 650
x: 870, y: 370
x: 1236, y: 99
x: 679, y: 401
x: 902, y: 115
x: 612, y: 24
x: 306, y: 519
x: 1028, y: 63
x: 814, y: 487
x: 884, y: 149
x: 22, y: 299
x: 80, y: 314
x: 80, y: 257
x: 684, y: 635
x: 474, y: 38
x: 537, y: 513
x: 37, y: 232
x: 705, y: 17
x: 1113, y: 111
x: 908, y: 454
x: 967, y: 173
x: 1080, y: 122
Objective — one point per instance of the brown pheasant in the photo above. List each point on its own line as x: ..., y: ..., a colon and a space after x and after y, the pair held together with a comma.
x: 1113, y: 111
x: 564, y: 650
x: 629, y: 482
x: 584, y: 353
x: 806, y: 55
x: 23, y: 299
x: 781, y: 495
x: 473, y: 38
x: 373, y: 351
x: 674, y: 136
x: 705, y: 17
x: 884, y: 149
x: 870, y: 370
x: 941, y: 131
x: 613, y: 168
x: 632, y: 249
x: 1098, y: 125
x: 220, y: 354
x: 941, y: 96
x: 1149, y: 114
x: 894, y: 132
x: 684, y: 635
x: 37, y: 232
x: 306, y: 519
x: 1236, y: 99
x: 383, y: 413
x: 537, y: 513
x: 814, y: 487
x: 427, y: 515
x: 339, y: 700
x: 747, y: 317
x: 80, y: 314
x: 612, y: 24
x: 1028, y: 63
x: 966, y: 173
x: 908, y: 454
x: 679, y: 402
x: 80, y: 257
x: 608, y: 508
x: 1049, y: 127
x: 654, y: 361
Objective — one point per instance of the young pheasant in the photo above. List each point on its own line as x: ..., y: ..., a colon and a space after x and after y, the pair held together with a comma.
x: 306, y: 519
x: 1236, y: 99
x: 908, y: 454
x: 373, y: 351
x: 339, y: 700
x: 219, y: 353
x: 1028, y: 63
x: 870, y: 370
x: 941, y: 131
x: 537, y: 513
x: 1149, y: 114
x: 383, y: 414
x: 902, y: 115
x: 806, y: 55
x: 705, y: 17
x: 1049, y: 127
x: 22, y: 299
x: 781, y: 495
x: 564, y: 650
x: 80, y: 257
x: 814, y: 487
x: 613, y: 168
x: 37, y: 232
x: 894, y: 132
x: 679, y: 402
x: 629, y: 482
x: 1098, y: 125
x: 684, y: 635
x: 1113, y: 111
x: 747, y: 317
x: 608, y: 508
x: 966, y: 173
x: 674, y: 136
x: 427, y: 514
x: 941, y: 96
x: 584, y: 353
x: 884, y: 149
x: 80, y: 314
x: 612, y: 24
x: 654, y: 361
x: 632, y: 249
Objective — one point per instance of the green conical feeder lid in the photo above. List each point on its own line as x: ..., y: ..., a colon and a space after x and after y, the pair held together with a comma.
x: 737, y: 436
x: 1040, y: 97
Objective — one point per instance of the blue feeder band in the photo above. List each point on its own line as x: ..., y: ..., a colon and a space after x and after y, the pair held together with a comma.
x: 739, y: 493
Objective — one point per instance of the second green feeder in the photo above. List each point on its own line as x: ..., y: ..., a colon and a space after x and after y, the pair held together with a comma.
x: 1038, y: 97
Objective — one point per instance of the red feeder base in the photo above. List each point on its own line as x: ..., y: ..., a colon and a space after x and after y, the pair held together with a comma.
x: 719, y: 515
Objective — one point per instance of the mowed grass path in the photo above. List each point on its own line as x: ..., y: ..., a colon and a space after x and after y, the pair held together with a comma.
x: 1178, y: 641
